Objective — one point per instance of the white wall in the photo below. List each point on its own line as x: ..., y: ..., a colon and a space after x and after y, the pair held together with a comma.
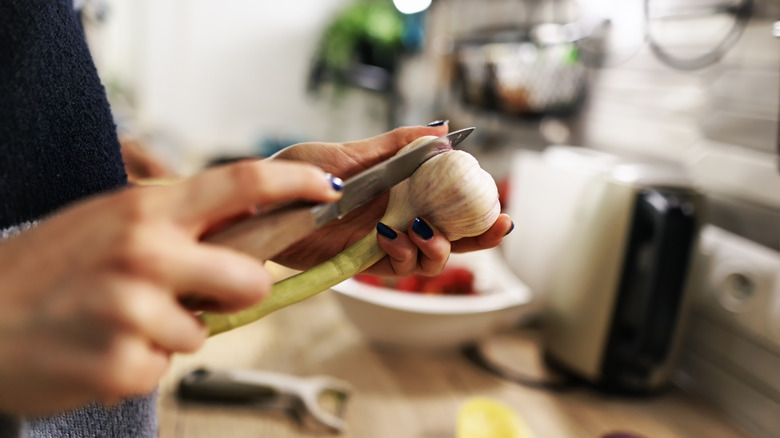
x: 215, y: 75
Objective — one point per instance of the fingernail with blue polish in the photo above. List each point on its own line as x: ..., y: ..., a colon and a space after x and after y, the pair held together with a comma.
x: 510, y: 229
x: 422, y: 229
x: 438, y: 123
x: 385, y: 231
x: 336, y: 183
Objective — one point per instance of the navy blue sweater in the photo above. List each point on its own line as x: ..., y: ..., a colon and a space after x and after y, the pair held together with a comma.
x: 58, y: 141
x: 58, y: 144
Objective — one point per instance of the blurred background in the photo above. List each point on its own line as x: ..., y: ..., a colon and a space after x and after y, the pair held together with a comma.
x: 241, y: 78
x: 197, y: 80
x: 561, y: 92
x: 201, y: 80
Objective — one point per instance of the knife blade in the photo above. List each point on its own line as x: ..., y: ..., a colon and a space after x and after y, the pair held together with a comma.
x: 266, y: 234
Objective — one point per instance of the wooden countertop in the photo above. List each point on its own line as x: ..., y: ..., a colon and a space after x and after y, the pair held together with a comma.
x: 404, y: 395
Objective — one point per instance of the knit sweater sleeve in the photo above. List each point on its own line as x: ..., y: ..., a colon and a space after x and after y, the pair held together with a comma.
x: 58, y: 144
x: 58, y: 140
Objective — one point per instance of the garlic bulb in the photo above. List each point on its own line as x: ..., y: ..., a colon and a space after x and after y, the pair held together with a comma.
x: 449, y: 190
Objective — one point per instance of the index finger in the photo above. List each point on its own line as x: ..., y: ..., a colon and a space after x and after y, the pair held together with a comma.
x: 226, y: 191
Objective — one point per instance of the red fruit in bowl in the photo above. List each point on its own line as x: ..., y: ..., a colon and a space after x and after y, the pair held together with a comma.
x: 410, y: 284
x: 451, y: 281
x: 373, y: 280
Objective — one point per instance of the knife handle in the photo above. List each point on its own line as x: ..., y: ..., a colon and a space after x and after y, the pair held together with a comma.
x: 265, y: 235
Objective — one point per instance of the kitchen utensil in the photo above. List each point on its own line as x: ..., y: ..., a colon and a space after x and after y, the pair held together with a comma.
x: 694, y: 35
x: 300, y: 396
x: 608, y: 32
x: 526, y: 72
x: 266, y: 234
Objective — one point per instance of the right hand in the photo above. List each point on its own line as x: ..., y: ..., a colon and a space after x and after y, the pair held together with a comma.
x: 91, y: 299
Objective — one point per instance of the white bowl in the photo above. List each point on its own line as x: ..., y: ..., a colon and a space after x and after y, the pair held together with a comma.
x: 389, y: 317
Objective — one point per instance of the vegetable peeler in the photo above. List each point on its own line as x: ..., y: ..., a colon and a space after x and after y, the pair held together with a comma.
x: 302, y: 397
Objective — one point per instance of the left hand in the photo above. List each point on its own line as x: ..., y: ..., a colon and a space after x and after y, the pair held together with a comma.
x: 409, y: 253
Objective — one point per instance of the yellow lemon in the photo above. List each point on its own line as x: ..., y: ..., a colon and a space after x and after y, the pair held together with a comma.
x: 482, y: 417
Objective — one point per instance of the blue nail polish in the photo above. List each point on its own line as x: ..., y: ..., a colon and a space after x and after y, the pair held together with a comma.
x: 336, y: 183
x: 510, y: 229
x: 385, y: 231
x: 422, y: 229
x: 437, y: 123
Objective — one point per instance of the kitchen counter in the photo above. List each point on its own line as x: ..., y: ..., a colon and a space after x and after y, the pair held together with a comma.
x: 402, y: 394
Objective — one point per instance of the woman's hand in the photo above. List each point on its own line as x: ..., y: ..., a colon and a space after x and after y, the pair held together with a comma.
x: 420, y: 249
x: 96, y: 299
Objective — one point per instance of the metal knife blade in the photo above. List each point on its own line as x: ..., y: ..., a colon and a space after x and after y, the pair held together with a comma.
x: 267, y: 234
x: 368, y: 184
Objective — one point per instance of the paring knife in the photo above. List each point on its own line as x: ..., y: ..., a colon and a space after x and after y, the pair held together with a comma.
x: 267, y: 234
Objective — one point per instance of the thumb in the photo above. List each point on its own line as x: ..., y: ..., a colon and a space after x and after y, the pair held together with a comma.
x: 383, y: 146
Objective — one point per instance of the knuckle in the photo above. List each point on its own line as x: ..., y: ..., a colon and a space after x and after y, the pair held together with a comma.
x: 488, y: 240
x: 261, y: 287
x: 121, y: 311
x: 136, y: 253
x: 132, y: 247
x: 403, y: 259
x: 127, y: 373
x: 314, y: 173
x: 405, y: 272
x: 432, y: 270
x: 131, y: 310
x: 404, y: 269
x: 112, y: 308
x: 246, y: 281
x: 433, y: 266
x: 134, y: 206
x: 248, y: 296
x: 194, y: 341
x: 399, y: 133
x: 247, y: 175
x: 186, y: 335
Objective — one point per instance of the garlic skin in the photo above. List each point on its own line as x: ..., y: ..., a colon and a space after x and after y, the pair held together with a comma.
x: 450, y: 190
